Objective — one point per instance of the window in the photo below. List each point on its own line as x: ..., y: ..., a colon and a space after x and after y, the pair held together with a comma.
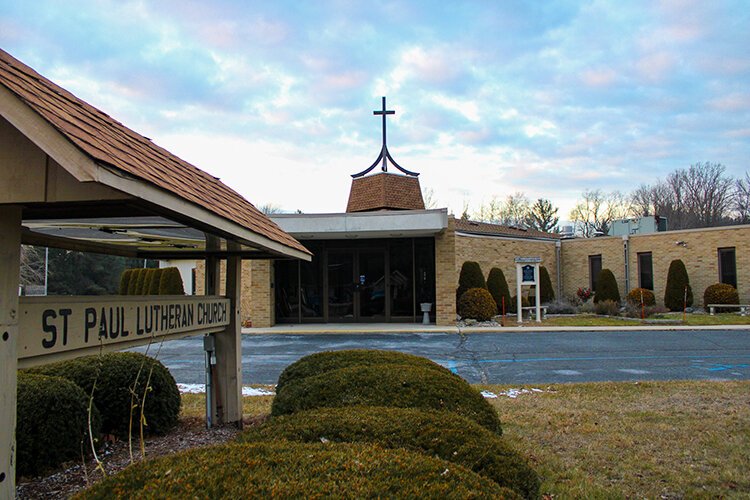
x: 595, y: 267
x: 727, y: 266
x: 645, y: 271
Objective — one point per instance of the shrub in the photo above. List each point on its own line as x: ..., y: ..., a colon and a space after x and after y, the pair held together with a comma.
x: 677, y: 280
x: 546, y: 293
x: 399, y: 386
x: 607, y: 308
x: 296, y: 470
x: 52, y: 422
x: 435, y: 433
x: 153, y: 280
x: 478, y: 304
x: 171, y: 282
x: 498, y: 288
x: 125, y: 278
x: 561, y: 307
x: 470, y: 277
x: 115, y: 374
x: 525, y: 302
x: 634, y: 297
x: 606, y: 287
x: 322, y: 362
x: 721, y: 293
x: 133, y: 283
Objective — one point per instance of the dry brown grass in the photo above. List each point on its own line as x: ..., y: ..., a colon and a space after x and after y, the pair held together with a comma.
x: 645, y: 439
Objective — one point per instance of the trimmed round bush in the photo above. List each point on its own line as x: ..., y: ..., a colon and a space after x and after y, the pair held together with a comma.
x: 471, y: 276
x: 498, y: 288
x: 546, y: 293
x: 606, y: 287
x: 478, y: 304
x: 435, y: 433
x: 115, y: 375
x: 399, y: 386
x: 634, y: 297
x: 720, y: 293
x: 170, y: 282
x: 52, y: 423
x: 322, y: 362
x: 296, y: 470
x: 674, y: 293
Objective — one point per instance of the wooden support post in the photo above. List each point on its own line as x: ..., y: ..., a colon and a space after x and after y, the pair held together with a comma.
x: 10, y: 260
x: 229, y: 351
x: 212, y: 287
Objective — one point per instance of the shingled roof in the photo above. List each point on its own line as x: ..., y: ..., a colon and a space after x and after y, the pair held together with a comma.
x: 489, y: 229
x: 110, y: 143
x: 385, y: 191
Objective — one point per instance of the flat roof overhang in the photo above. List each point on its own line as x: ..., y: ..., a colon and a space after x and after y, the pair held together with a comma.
x: 364, y: 225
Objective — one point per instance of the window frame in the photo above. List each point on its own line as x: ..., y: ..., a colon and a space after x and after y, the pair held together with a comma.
x: 650, y: 256
x: 592, y: 276
x: 732, y: 279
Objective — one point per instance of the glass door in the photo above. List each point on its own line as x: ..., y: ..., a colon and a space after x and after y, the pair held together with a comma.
x: 371, y: 285
x: 341, y: 286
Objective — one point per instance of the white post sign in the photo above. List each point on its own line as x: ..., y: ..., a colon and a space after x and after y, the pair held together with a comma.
x: 54, y: 328
x: 527, y: 273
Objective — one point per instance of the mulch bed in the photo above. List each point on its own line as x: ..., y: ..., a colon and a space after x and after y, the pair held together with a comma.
x: 115, y: 456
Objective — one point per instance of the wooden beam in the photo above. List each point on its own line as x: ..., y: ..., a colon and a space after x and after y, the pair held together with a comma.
x: 10, y: 260
x: 229, y: 351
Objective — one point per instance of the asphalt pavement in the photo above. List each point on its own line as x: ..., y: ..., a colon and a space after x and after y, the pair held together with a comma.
x: 519, y: 357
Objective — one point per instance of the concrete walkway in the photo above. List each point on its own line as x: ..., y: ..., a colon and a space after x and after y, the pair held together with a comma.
x: 373, y: 328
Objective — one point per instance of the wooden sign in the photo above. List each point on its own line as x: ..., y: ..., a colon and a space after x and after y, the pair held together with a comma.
x: 63, y: 327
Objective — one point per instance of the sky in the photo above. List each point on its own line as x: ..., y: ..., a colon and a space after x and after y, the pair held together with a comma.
x: 491, y: 97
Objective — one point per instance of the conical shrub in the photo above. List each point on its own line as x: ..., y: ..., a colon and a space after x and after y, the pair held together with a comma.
x: 546, y: 293
x: 677, y: 281
x: 125, y: 278
x: 471, y: 276
x: 498, y: 288
x: 171, y: 282
x: 606, y: 287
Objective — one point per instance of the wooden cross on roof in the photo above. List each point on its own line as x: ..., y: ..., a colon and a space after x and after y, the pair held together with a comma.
x: 384, y: 155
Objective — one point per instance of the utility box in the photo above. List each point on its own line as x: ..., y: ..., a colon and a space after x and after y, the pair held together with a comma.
x: 637, y: 225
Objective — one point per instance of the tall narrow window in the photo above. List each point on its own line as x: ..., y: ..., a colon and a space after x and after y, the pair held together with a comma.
x: 727, y: 266
x: 595, y: 267
x: 645, y: 271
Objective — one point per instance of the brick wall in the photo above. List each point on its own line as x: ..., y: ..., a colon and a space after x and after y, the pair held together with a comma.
x: 446, y: 277
x: 494, y: 251
x: 699, y: 253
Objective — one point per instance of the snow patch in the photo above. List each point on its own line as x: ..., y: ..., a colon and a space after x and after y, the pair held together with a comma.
x: 201, y: 388
x: 511, y: 393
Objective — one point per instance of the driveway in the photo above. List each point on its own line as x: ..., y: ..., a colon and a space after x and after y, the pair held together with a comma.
x: 533, y: 357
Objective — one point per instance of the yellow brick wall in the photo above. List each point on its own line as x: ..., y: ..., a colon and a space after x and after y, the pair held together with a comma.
x: 699, y: 254
x: 490, y: 251
x: 446, y: 277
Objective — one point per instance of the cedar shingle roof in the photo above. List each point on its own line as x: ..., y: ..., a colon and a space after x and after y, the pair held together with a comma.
x: 385, y: 191
x: 486, y: 228
x: 109, y: 142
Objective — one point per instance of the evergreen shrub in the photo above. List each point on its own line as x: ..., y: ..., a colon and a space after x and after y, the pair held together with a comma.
x: 634, y: 297
x: 153, y: 279
x: 322, y: 362
x: 125, y: 278
x: 114, y: 375
x: 606, y: 287
x: 478, y: 304
x: 471, y: 276
x: 171, y: 282
x: 141, y: 287
x: 546, y: 293
x: 498, y: 288
x: 296, y: 470
x: 399, y: 386
x: 525, y: 302
x: 133, y: 283
x: 607, y: 308
x: 721, y: 293
x: 434, y: 433
x: 52, y: 425
x: 677, y: 280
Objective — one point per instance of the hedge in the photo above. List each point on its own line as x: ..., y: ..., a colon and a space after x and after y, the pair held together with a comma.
x: 296, y: 470
x: 117, y: 373
x: 400, y: 386
x: 322, y: 362
x: 52, y: 423
x: 478, y: 304
x: 436, y: 433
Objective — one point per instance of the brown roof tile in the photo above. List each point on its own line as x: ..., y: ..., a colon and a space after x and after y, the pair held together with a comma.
x: 109, y: 142
x: 385, y: 191
x: 476, y: 227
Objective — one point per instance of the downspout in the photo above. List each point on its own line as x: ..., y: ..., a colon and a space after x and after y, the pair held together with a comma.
x: 558, y: 262
x: 626, y: 253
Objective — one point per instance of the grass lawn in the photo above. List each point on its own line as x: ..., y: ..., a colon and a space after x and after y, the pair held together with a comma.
x: 617, y: 440
x: 665, y: 318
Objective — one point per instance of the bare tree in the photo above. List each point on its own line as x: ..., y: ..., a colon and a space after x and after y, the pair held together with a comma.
x: 593, y: 214
x: 430, y: 200
x: 270, y: 208
x: 742, y: 199
x: 543, y: 216
x: 514, y: 210
x: 708, y: 193
x: 32, y: 265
